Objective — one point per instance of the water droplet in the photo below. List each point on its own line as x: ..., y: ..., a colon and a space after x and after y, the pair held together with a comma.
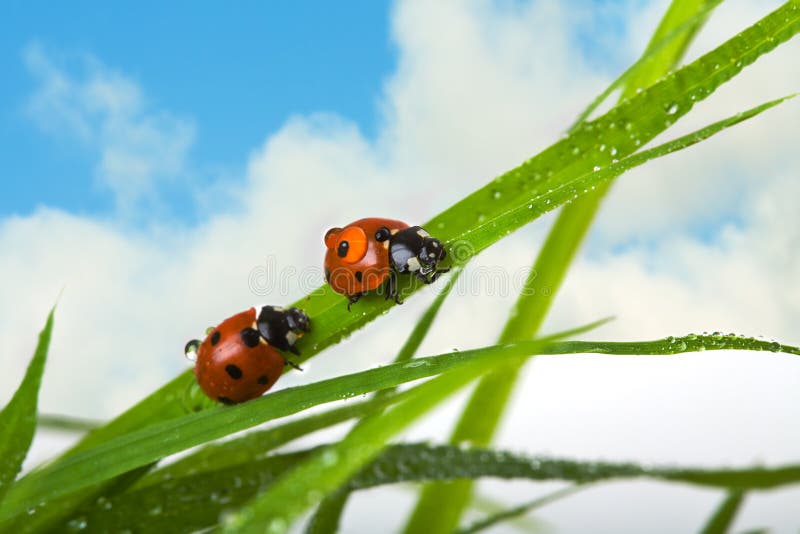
x: 190, y: 350
x: 481, y: 217
x: 77, y: 524
x: 155, y: 510
x: 596, y: 168
x: 496, y: 194
x: 576, y: 150
x: 613, y: 151
x: 104, y: 503
x: 415, y: 363
x: 671, y: 108
x: 31, y: 511
x: 602, y: 148
x: 329, y: 457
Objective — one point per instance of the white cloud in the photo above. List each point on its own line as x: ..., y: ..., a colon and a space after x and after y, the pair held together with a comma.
x: 479, y: 87
x: 137, y: 147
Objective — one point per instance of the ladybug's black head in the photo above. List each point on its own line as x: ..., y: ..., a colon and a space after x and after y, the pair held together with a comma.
x: 297, y: 320
x: 432, y: 252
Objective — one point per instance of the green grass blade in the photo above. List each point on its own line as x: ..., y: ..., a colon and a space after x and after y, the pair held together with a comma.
x: 487, y: 403
x: 149, y: 444
x: 322, y: 474
x: 196, y: 501
x: 68, y: 423
x: 18, y: 418
x: 517, y: 511
x: 326, y: 517
x: 676, y: 31
x: 721, y: 521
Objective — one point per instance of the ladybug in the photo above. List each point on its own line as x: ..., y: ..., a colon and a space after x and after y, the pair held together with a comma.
x: 370, y: 252
x: 239, y: 358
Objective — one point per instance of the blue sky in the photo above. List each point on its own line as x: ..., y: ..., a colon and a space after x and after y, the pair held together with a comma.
x: 236, y: 74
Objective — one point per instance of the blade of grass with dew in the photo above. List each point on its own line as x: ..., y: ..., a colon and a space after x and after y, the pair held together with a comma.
x: 666, y: 48
x: 487, y: 403
x: 18, y: 418
x: 254, y: 444
x: 725, y: 514
x: 218, y: 455
x: 196, y: 501
x: 139, y: 448
x: 517, y: 511
x: 328, y: 514
x: 677, y: 29
x: 483, y: 411
x: 306, y: 481
x: 277, y: 508
x: 623, y: 129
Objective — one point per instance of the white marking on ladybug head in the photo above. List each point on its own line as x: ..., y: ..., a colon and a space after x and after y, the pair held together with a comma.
x: 291, y: 337
x: 413, y: 264
x: 423, y: 233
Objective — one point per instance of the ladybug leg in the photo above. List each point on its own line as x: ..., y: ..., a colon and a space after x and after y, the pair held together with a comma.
x: 424, y: 279
x: 437, y: 274
x: 294, y: 350
x: 352, y: 299
x: 391, y: 287
x: 291, y: 364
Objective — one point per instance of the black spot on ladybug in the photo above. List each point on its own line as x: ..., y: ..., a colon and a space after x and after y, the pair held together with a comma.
x: 215, y: 338
x: 344, y: 246
x: 233, y: 371
x: 382, y: 234
x: 328, y: 275
x: 359, y: 276
x: 225, y: 400
x: 250, y: 337
x: 263, y: 379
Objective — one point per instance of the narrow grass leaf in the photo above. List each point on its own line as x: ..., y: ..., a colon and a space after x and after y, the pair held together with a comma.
x: 513, y: 513
x: 18, y: 418
x: 149, y: 444
x: 724, y: 516
x: 196, y: 501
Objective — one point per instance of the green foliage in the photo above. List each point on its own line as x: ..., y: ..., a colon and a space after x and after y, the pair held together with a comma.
x: 197, y: 501
x: 107, y: 482
x: 18, y: 418
x: 723, y: 517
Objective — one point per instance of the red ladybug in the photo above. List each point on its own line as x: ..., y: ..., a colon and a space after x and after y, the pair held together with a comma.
x: 370, y: 252
x: 239, y: 360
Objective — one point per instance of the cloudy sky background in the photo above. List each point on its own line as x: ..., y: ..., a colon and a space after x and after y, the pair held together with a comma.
x: 149, y: 183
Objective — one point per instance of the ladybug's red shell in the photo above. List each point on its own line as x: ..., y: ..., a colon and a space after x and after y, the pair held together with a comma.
x: 231, y: 371
x: 366, y: 265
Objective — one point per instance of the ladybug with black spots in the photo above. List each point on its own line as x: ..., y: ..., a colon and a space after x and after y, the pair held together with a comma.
x: 370, y: 252
x: 239, y: 359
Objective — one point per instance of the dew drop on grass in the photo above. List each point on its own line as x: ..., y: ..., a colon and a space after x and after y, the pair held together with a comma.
x: 77, y: 524
x: 671, y: 108
x: 496, y: 194
x: 155, y: 510
x: 329, y: 457
x: 576, y: 150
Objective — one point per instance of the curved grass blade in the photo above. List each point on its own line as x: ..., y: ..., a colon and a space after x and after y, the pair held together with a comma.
x: 327, y: 470
x: 676, y: 31
x: 517, y: 511
x: 724, y: 516
x: 440, y: 507
x: 18, y: 418
x: 259, y: 443
x: 151, y: 443
x: 196, y: 501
